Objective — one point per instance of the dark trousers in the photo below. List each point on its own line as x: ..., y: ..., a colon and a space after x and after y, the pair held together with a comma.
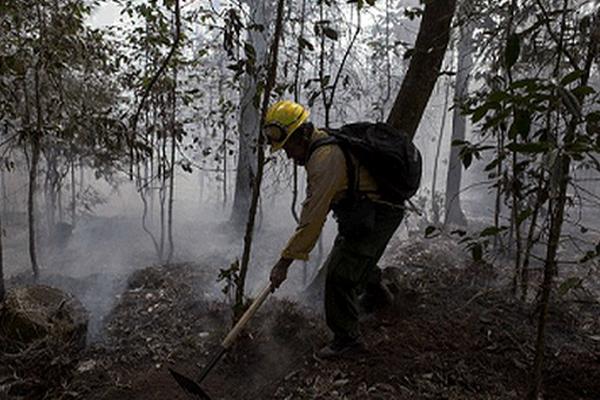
x: 364, y: 230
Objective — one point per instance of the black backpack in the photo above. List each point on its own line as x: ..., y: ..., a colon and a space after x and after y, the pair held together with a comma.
x: 388, y: 154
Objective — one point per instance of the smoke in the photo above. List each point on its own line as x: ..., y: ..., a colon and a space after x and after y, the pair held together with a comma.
x: 109, y: 244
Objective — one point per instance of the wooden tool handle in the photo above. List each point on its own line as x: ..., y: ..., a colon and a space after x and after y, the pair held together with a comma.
x: 246, y: 317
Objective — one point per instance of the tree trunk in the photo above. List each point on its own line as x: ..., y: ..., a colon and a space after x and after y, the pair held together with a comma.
x: 4, y: 192
x: 557, y: 210
x: 2, y: 289
x: 430, y: 48
x: 59, y: 202
x: 435, y: 207
x: 35, y: 156
x: 50, y: 192
x: 162, y: 196
x: 224, y: 168
x: 249, y: 121
x: 270, y: 83
x: 498, y: 242
x: 556, y: 221
x: 540, y: 197
x: 454, y: 213
x: 172, y: 169
x: 73, y: 195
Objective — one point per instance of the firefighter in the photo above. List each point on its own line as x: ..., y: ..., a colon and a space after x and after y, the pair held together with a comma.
x: 335, y: 182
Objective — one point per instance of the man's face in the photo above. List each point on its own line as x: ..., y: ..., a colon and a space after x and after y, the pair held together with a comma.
x: 296, y: 149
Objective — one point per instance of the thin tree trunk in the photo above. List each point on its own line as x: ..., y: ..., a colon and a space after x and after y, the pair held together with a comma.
x: 270, y: 83
x: 516, y: 209
x: 539, y: 200
x: 224, y: 133
x: 154, y: 159
x: 35, y: 137
x: 4, y: 192
x: 35, y: 155
x: 73, y: 195
x: 299, y: 60
x: 498, y: 201
x: 162, y: 196
x: 2, y: 288
x: 3, y: 178
x: 424, y: 68
x: 297, y: 100
x: 249, y: 121
x: 59, y: 201
x: 557, y: 210
x: 81, y: 176
x: 464, y: 65
x: 556, y: 221
x: 172, y: 169
x: 435, y: 208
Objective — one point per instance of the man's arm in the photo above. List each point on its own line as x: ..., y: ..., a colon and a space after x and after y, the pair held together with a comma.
x: 326, y: 177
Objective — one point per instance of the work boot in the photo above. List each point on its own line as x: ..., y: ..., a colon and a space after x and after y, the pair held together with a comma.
x: 341, y: 348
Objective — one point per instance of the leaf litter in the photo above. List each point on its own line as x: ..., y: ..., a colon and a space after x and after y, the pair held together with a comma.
x: 453, y: 332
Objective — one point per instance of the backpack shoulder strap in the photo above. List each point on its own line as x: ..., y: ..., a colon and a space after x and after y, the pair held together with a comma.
x: 321, y: 142
x: 350, y: 171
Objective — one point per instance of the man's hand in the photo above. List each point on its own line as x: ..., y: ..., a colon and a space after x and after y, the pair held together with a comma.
x: 279, y: 272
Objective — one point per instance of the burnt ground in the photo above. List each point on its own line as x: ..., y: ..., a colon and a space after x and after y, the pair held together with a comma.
x: 454, y: 332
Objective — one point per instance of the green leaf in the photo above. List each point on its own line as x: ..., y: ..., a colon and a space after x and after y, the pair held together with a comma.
x: 492, y: 165
x: 431, y: 232
x: 523, y: 215
x: 524, y: 83
x: 571, y: 77
x: 491, y: 231
x: 568, y: 285
x: 467, y: 159
x: 249, y: 50
x: 569, y: 100
x: 529, y: 148
x: 521, y: 124
x: 305, y: 43
x: 512, y: 51
x: 330, y: 33
x: 480, y: 112
x: 583, y: 91
x: 593, y: 116
x: 498, y: 96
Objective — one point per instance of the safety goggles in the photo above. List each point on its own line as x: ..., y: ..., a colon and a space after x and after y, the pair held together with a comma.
x: 275, y: 132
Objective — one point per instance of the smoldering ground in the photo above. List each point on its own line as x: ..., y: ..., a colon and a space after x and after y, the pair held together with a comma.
x: 108, y: 244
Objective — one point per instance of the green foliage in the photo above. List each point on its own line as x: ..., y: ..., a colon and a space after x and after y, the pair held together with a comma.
x: 534, y: 110
x: 55, y: 80
x: 229, y: 276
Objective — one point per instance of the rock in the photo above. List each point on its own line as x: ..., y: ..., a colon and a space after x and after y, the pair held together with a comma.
x: 35, y: 312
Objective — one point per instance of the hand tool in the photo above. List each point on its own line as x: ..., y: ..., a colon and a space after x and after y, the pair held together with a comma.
x: 193, y: 387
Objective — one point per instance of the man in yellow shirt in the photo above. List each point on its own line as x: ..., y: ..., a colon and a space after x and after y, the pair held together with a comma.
x: 335, y: 181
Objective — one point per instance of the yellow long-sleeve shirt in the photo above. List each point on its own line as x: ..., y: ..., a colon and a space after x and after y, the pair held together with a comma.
x: 327, y: 183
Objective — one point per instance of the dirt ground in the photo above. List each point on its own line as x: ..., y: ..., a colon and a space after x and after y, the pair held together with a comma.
x: 454, y: 332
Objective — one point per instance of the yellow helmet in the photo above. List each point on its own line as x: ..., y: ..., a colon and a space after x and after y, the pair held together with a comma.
x: 282, y: 119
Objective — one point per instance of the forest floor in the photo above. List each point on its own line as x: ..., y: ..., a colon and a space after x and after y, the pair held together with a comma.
x: 454, y: 332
